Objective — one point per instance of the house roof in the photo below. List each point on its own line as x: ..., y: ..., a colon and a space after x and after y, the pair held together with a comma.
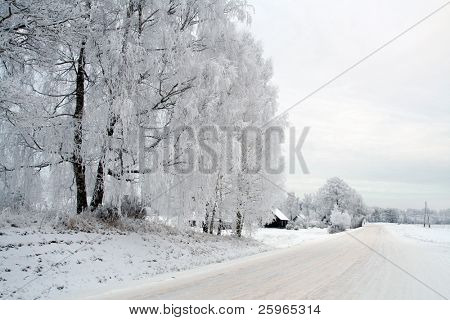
x: 280, y: 215
x: 299, y: 216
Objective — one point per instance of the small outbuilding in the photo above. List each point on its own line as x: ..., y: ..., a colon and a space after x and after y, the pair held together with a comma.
x: 280, y: 221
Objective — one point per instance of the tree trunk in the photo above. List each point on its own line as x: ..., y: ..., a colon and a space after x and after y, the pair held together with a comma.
x: 97, y: 196
x: 220, y: 227
x: 211, y: 225
x: 77, y: 159
x: 99, y: 189
x: 239, y: 223
x: 205, y: 223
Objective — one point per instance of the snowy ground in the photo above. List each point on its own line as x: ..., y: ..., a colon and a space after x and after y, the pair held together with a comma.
x: 280, y: 238
x: 42, y: 258
x: 60, y: 263
x: 437, y: 234
x: 373, y: 262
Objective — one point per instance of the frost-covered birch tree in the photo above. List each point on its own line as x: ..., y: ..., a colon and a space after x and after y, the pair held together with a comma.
x: 92, y: 90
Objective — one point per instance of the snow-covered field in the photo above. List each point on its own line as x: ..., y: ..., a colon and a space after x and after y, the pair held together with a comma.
x: 60, y: 263
x: 437, y: 234
x: 281, y: 238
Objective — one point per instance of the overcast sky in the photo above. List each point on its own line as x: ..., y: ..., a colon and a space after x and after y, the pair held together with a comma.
x: 385, y: 126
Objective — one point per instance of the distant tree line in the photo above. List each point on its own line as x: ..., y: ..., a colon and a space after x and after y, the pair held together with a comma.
x: 408, y: 216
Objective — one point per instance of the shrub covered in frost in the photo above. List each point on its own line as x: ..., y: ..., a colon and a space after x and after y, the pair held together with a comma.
x: 295, y: 225
x: 108, y: 214
x: 340, y: 221
x: 132, y: 208
x: 357, y: 222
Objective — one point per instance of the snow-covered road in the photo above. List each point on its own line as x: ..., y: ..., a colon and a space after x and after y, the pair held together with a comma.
x: 374, y: 262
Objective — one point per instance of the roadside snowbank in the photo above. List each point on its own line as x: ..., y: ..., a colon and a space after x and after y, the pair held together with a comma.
x: 438, y: 234
x: 53, y: 262
x: 282, y: 238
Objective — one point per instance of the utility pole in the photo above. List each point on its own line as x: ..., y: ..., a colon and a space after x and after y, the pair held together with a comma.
x: 425, y: 215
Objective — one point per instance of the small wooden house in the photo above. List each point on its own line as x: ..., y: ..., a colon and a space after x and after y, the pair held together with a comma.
x: 280, y: 221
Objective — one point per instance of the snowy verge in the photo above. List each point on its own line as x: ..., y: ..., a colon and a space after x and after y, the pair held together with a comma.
x: 44, y: 261
x: 282, y: 238
x: 437, y: 234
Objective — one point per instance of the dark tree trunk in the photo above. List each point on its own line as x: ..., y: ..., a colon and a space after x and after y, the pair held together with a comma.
x: 99, y: 189
x: 239, y: 223
x: 77, y: 159
x: 213, y: 215
x: 220, y: 227
x: 205, y: 223
x: 97, y: 197
x: 80, y: 181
